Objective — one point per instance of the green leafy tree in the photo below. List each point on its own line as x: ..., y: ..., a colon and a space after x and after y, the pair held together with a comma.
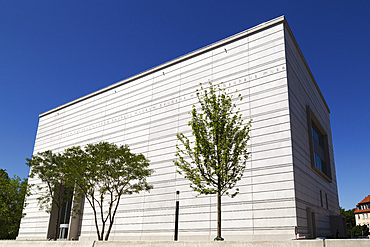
x: 53, y: 192
x: 103, y: 173
x: 12, y: 194
x: 358, y: 231
x: 215, y: 161
x: 350, y: 219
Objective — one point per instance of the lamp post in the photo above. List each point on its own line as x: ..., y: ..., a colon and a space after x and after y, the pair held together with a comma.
x: 177, y: 216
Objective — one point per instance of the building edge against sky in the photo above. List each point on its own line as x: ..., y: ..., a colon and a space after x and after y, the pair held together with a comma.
x: 290, y: 180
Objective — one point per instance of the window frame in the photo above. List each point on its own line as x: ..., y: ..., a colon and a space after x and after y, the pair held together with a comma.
x: 324, y: 172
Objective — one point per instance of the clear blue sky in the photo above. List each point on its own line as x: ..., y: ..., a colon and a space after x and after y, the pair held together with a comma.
x: 52, y: 52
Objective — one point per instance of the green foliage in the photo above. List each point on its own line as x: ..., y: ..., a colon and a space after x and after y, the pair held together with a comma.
x: 352, y: 229
x: 218, y: 155
x: 50, y: 169
x: 358, y: 231
x: 350, y: 219
x: 103, y: 173
x: 215, y: 161
x: 12, y: 194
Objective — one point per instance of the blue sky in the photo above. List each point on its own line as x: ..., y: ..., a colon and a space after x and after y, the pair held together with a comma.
x: 52, y: 52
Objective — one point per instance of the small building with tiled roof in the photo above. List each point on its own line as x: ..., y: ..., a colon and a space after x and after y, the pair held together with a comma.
x: 362, y: 212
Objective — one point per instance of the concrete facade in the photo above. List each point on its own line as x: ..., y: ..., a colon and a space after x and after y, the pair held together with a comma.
x: 282, y: 187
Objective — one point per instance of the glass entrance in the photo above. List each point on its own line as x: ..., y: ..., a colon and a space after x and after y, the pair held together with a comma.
x: 65, y: 214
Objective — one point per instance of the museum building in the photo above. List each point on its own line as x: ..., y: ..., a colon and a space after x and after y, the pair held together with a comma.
x: 290, y: 182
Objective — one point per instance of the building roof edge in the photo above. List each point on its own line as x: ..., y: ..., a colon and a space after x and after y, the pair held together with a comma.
x: 360, y: 211
x: 305, y: 63
x: 264, y: 25
x: 365, y: 200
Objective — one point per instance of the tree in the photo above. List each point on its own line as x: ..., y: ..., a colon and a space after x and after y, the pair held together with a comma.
x: 353, y: 230
x: 219, y: 153
x: 350, y: 219
x: 358, y: 231
x: 12, y: 193
x: 53, y: 192
x: 103, y: 173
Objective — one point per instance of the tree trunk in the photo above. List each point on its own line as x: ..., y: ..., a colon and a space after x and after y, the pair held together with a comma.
x: 109, y: 228
x: 111, y: 220
x: 219, y: 216
x: 96, y: 225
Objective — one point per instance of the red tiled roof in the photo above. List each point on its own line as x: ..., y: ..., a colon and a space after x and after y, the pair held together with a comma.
x: 367, y: 199
x: 362, y: 211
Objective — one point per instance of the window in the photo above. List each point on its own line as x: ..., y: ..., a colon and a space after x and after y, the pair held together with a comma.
x: 319, y: 150
x: 321, y: 198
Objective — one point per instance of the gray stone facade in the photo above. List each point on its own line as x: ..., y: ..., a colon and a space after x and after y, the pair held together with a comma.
x: 282, y: 187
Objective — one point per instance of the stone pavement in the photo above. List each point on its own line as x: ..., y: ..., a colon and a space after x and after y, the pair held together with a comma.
x: 286, y: 243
